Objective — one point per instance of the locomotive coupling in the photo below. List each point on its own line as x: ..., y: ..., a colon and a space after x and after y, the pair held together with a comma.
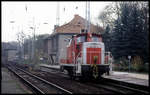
x: 95, y: 68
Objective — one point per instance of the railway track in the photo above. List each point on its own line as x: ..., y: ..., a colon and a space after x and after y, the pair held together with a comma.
x: 130, y: 86
x: 120, y: 87
x: 107, y: 85
x: 37, y: 84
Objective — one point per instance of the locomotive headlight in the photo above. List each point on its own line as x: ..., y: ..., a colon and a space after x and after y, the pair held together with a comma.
x: 90, y: 35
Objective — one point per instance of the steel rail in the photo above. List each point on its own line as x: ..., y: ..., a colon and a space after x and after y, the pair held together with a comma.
x: 33, y: 87
x: 116, y: 91
x: 130, y: 86
x: 45, y: 81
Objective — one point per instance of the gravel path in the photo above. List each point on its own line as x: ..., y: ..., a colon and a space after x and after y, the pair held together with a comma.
x: 10, y: 84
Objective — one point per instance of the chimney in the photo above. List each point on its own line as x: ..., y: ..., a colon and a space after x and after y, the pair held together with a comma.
x: 55, y: 27
x: 76, y: 15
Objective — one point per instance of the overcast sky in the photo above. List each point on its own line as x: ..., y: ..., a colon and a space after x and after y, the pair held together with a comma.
x: 23, y: 13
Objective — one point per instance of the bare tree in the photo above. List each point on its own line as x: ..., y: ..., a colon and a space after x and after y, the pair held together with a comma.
x: 20, y: 37
x: 110, y: 14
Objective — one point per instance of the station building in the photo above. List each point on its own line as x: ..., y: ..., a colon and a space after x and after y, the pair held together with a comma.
x: 55, y: 44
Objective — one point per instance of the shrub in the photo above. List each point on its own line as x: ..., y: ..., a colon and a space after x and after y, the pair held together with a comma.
x: 121, y: 64
x: 137, y: 64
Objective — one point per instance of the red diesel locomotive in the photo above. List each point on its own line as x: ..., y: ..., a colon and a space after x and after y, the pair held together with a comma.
x: 85, y: 56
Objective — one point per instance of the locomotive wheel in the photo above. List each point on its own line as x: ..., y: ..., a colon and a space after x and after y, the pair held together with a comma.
x: 108, y: 71
x: 70, y: 72
x: 82, y: 79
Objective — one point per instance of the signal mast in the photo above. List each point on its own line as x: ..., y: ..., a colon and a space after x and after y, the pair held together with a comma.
x: 87, y: 17
x: 57, y: 15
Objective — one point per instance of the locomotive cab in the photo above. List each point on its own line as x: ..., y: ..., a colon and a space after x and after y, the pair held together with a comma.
x: 85, y: 56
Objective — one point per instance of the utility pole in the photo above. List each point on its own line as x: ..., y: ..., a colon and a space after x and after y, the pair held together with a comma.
x: 33, y: 40
x: 19, y: 44
x: 57, y: 14
x: 87, y: 16
x: 22, y: 37
x: 29, y: 51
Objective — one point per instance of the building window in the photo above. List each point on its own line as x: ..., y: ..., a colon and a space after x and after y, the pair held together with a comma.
x: 83, y: 30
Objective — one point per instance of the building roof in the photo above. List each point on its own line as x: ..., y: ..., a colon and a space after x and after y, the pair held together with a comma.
x: 75, y: 26
x: 9, y: 46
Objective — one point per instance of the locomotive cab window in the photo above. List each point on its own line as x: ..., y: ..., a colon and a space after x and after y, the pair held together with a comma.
x: 81, y: 39
x: 95, y: 39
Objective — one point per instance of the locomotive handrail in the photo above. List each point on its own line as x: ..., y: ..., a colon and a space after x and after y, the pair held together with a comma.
x: 78, y: 56
x: 76, y: 60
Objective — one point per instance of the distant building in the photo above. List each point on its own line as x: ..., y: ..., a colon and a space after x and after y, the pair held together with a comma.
x: 12, y: 54
x: 55, y: 44
x: 9, y: 52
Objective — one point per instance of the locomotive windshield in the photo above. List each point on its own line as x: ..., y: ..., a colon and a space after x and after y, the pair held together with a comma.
x: 81, y: 39
x: 95, y: 39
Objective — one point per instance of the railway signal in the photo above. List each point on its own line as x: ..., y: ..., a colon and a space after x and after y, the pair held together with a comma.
x: 129, y: 57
